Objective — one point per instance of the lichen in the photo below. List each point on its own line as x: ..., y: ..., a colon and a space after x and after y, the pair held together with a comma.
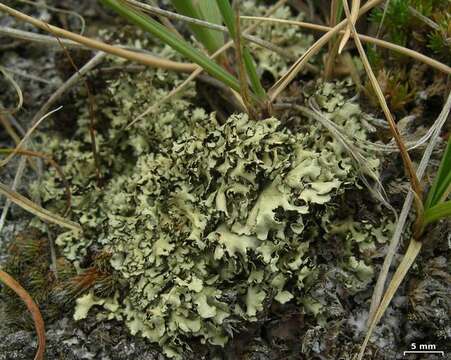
x: 207, y: 223
x: 291, y: 39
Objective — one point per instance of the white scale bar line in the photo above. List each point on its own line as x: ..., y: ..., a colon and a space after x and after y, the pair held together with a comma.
x: 424, y: 352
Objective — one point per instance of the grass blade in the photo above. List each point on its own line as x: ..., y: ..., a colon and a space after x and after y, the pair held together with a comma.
x: 35, y: 209
x: 354, y: 17
x: 297, y: 67
x: 229, y: 19
x: 399, y: 230
x: 437, y: 212
x: 210, y: 12
x: 154, y: 27
x: 442, y: 180
x: 252, y: 73
x: 53, y: 163
x: 198, y: 71
x: 9, y: 281
x: 411, y: 254
x: 228, y: 16
x: 207, y: 37
x: 217, y: 27
x: 145, y: 59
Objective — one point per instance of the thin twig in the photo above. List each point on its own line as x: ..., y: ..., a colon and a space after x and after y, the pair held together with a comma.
x: 69, y: 83
x: 28, y: 76
x: 52, y: 41
x: 37, y: 38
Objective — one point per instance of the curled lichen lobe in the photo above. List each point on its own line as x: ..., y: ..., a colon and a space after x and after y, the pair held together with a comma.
x: 206, y: 223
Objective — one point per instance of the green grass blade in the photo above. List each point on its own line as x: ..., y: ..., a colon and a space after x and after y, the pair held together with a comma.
x: 437, y: 212
x: 252, y: 73
x: 229, y: 19
x: 228, y: 15
x: 166, y: 36
x: 207, y: 37
x: 442, y: 181
x: 210, y: 12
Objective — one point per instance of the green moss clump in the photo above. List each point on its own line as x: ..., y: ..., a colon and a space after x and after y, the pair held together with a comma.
x: 29, y: 262
x: 403, y: 25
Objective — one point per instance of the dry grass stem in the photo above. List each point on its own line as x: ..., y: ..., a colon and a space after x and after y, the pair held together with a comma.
x: 369, y: 39
x: 297, y: 67
x: 32, y: 308
x: 411, y: 254
x: 142, y: 58
x: 37, y: 210
x: 352, y: 20
x: 53, y: 163
x: 399, y: 230
x: 27, y: 135
x: 172, y: 15
x: 415, y: 183
x: 16, y: 88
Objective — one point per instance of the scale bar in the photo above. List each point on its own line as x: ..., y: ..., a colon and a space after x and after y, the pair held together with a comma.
x: 424, y: 352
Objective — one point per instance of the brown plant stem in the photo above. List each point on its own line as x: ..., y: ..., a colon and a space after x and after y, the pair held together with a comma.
x: 145, y: 59
x: 32, y: 308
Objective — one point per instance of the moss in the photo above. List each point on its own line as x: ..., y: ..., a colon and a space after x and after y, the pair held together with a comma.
x: 29, y: 262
